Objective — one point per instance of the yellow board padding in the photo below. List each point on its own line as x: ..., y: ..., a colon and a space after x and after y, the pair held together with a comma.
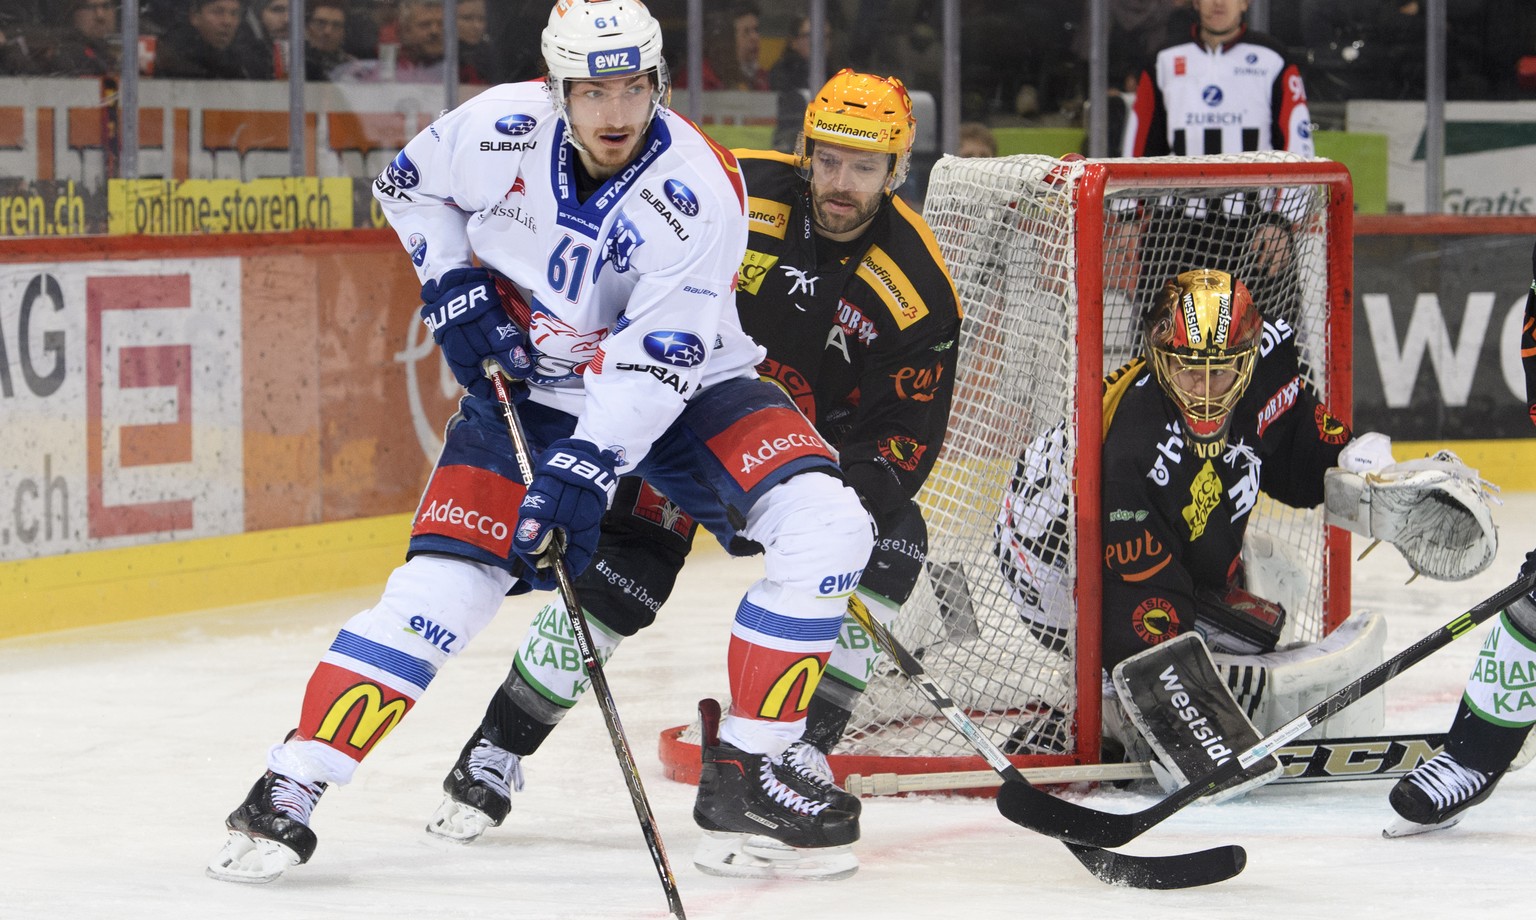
x: 1508, y: 464
x: 113, y: 585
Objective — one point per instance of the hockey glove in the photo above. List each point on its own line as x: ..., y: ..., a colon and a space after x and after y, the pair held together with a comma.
x: 573, y: 482
x: 470, y: 325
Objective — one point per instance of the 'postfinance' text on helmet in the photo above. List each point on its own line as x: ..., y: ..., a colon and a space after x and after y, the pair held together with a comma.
x: 1202, y: 337
x: 597, y: 39
x: 864, y: 112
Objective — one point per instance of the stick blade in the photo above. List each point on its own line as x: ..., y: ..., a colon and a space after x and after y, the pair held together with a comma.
x: 1043, y: 813
x: 1162, y: 873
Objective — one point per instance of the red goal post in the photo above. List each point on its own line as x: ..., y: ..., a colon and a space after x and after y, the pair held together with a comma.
x: 1053, y: 260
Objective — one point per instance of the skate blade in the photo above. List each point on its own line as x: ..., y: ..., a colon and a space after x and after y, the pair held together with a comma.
x: 253, y: 860
x: 728, y: 855
x: 1402, y: 827
x: 458, y: 823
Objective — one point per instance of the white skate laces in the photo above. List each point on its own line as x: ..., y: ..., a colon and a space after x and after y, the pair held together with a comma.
x: 783, y: 794
x: 1447, y: 782
x: 294, y: 798
x: 807, y: 761
x: 496, y: 767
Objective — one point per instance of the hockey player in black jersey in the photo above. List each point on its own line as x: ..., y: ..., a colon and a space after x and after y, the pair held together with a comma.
x: 843, y: 285
x: 1215, y: 412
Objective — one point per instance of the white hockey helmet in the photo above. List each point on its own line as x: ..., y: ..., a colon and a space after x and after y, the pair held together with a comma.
x: 596, y: 39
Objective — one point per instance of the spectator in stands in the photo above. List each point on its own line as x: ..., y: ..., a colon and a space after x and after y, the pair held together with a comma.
x: 790, y: 77
x: 476, y: 54
x: 732, y: 48
x: 325, y: 28
x: 201, y: 46
x: 421, y: 42
x: 371, y: 23
x: 85, y: 48
x: 263, y: 39
x: 976, y: 140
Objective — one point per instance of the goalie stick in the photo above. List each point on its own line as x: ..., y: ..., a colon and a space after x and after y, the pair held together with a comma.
x: 1185, y: 870
x: 1070, y: 822
x: 1315, y: 761
x: 589, y: 660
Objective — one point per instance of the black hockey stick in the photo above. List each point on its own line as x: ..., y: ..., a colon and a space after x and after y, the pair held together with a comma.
x: 1068, y: 821
x: 1185, y: 870
x: 589, y: 660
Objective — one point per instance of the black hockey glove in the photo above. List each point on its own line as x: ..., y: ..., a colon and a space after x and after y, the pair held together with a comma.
x: 469, y: 324
x: 573, y: 482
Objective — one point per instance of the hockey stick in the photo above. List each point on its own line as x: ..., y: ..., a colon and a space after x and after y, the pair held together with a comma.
x: 1068, y: 821
x: 589, y: 659
x: 1186, y: 870
x: 1319, y: 761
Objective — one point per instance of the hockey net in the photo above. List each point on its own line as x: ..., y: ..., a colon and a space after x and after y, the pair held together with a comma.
x: 1052, y: 259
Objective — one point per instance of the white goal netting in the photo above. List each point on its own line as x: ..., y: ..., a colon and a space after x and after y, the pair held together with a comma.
x: 1019, y: 235
x: 1053, y: 260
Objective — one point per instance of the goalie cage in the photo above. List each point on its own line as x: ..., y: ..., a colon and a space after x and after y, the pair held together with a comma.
x: 1051, y: 259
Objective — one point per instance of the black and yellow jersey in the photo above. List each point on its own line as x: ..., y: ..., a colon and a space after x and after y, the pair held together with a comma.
x: 862, y: 335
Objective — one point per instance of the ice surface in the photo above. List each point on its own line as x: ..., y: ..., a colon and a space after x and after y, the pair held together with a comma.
x: 122, y: 748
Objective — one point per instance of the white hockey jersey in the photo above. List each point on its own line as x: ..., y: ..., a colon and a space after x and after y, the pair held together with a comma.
x: 1242, y: 96
x: 630, y: 295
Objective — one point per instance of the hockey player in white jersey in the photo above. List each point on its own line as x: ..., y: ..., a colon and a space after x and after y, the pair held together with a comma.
x: 584, y: 237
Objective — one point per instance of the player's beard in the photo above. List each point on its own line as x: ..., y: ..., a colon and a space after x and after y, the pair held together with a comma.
x: 842, y: 220
x: 603, y: 160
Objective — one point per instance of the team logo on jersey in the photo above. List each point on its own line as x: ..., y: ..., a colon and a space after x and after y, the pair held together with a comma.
x: 401, y: 172
x: 792, y: 382
x: 1180, y: 66
x: 613, y: 62
x: 516, y: 125
x: 564, y: 351
x: 675, y: 347
x: 1155, y: 621
x: 418, y: 247
x: 1212, y: 95
x: 682, y: 197
x: 651, y: 505
x: 623, y: 240
x: 1204, y: 496
x: 754, y: 268
x: 1330, y: 429
x: 903, y: 451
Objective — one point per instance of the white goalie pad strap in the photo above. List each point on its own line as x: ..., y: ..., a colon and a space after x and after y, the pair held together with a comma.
x: 1502, y: 688
x: 1276, y: 687
x: 1434, y: 511
x: 1173, y: 696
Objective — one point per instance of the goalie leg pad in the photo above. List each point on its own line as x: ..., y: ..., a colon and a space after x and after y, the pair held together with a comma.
x: 1173, y: 696
x: 1277, y: 687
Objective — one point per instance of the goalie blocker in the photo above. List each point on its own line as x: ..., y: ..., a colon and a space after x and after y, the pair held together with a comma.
x: 1189, y: 715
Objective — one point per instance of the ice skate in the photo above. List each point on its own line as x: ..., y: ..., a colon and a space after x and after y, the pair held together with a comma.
x: 1436, y: 794
x: 269, y: 832
x: 805, y: 768
x: 759, y: 823
x: 479, y: 791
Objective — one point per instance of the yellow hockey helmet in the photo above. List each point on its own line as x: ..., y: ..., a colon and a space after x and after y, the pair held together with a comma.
x: 865, y: 112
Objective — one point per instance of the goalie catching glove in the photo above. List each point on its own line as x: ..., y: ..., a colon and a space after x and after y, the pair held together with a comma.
x: 1434, y: 510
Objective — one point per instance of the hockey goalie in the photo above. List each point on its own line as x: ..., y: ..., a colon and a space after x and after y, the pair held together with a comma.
x: 1215, y: 411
